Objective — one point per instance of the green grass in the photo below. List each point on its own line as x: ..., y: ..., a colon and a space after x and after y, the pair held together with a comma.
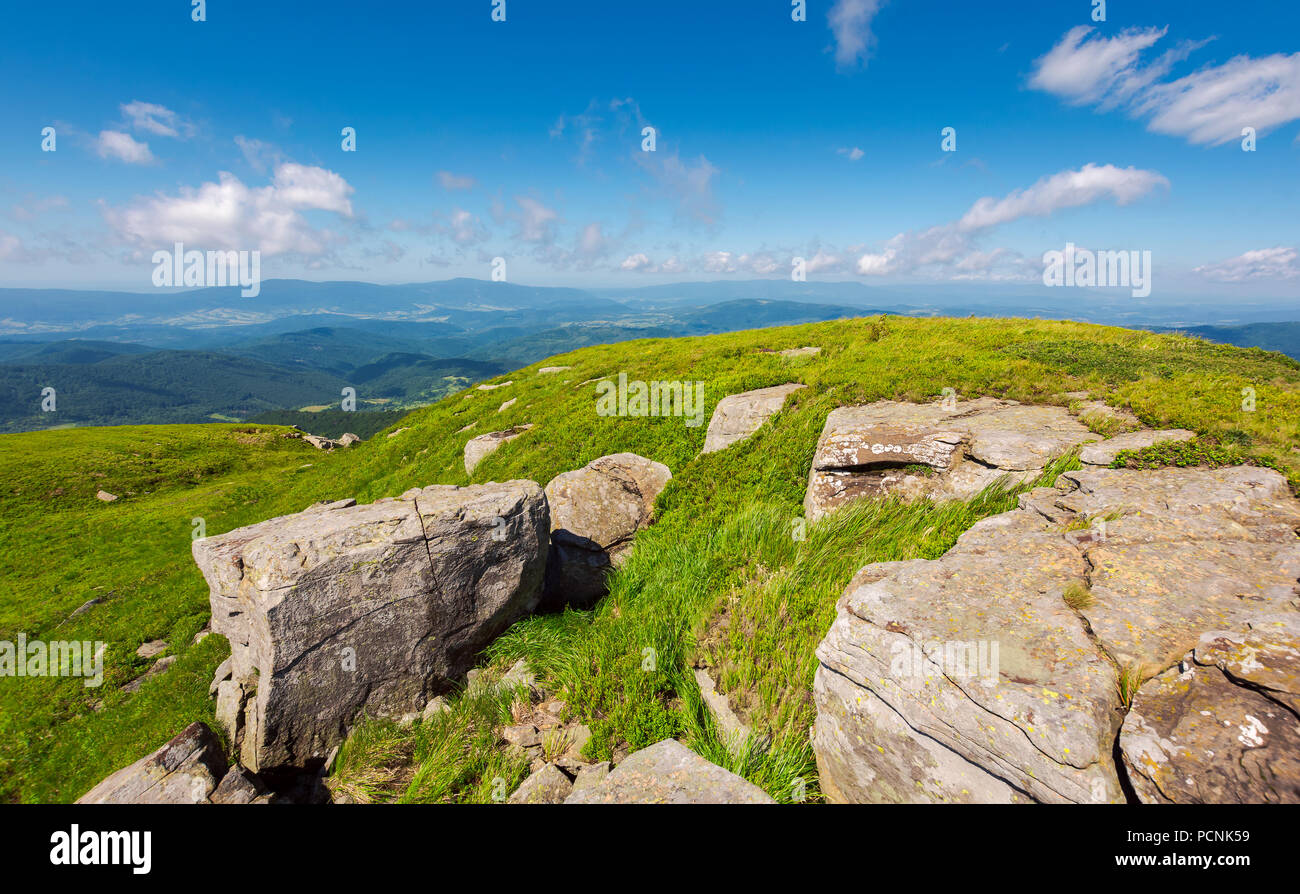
x: 719, y: 576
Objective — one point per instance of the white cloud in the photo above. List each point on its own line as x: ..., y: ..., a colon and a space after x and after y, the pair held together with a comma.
x: 850, y: 22
x: 230, y: 215
x: 854, y: 154
x: 121, y: 146
x: 536, y: 221
x: 156, y: 119
x: 592, y: 243
x: 690, y: 183
x: 1209, y: 106
x: 450, y: 181
x: 952, y: 247
x: 1068, y: 189
x: 1264, y: 263
x: 1091, y: 70
x: 636, y: 262
x: 466, y: 228
x: 260, y: 156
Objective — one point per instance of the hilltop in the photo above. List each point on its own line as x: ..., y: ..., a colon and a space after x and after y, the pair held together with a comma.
x: 715, y: 581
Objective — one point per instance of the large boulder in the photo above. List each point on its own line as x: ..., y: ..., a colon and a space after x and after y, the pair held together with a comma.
x: 480, y: 448
x: 187, y: 770
x: 738, y: 416
x: 343, y: 609
x: 995, y: 673
x: 595, y: 512
x: 1221, y: 728
x: 669, y: 773
x: 937, y: 450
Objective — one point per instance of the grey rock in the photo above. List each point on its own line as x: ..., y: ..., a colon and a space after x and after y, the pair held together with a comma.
x: 595, y: 512
x: 372, y: 608
x: 157, y: 668
x: 669, y: 773
x: 186, y: 770
x: 591, y: 775
x: 239, y: 786
x: 105, y: 496
x: 1104, y: 452
x: 809, y: 351
x: 523, y: 735
x: 437, y: 705
x: 230, y: 708
x: 734, y: 731
x: 968, y: 678
x: 223, y: 672
x: 1222, y: 729
x: 507, y: 405
x: 929, y: 450
x: 152, y: 649
x: 738, y: 416
x: 547, y: 370
x: 546, y: 786
x: 348, y: 439
x: 478, y: 449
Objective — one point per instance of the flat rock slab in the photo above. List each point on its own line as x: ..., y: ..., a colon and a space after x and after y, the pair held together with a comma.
x: 944, y: 452
x: 483, y: 446
x: 809, y: 351
x: 373, y: 608
x: 1223, y: 731
x: 738, y: 416
x: 669, y: 773
x: 595, y: 513
x: 187, y: 770
x: 969, y: 678
x: 1104, y: 452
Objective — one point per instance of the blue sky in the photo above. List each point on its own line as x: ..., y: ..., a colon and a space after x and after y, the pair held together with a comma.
x: 522, y: 139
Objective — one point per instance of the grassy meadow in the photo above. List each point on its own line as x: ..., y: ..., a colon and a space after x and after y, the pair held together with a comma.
x: 719, y: 579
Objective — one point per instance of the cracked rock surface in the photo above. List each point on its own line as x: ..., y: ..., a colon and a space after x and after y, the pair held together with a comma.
x: 379, y: 607
x: 738, y: 416
x: 970, y: 677
x: 934, y: 450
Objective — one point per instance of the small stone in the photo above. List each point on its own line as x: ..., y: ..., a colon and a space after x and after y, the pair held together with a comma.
x: 105, y: 496
x: 546, y: 786
x: 523, y: 735
x: 152, y: 649
x: 545, y: 370
x: 348, y: 439
x: 435, y: 707
x: 238, y: 786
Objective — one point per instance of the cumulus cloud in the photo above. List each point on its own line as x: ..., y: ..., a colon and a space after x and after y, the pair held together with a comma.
x: 231, y: 215
x: 850, y: 22
x: 452, y: 182
x: 1280, y: 262
x: 155, y: 119
x: 119, y: 146
x: 465, y: 228
x: 1068, y: 189
x: 636, y: 263
x: 1210, y: 106
x: 260, y: 156
x: 953, y: 246
x: 854, y: 154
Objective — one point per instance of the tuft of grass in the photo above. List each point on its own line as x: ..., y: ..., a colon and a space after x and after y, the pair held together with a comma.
x: 1077, y: 596
x: 1130, y: 680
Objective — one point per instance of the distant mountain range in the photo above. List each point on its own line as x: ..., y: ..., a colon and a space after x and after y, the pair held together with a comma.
x: 210, y: 355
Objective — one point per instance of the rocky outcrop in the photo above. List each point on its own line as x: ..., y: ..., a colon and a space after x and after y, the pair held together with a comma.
x: 1104, y: 452
x: 483, y: 446
x: 187, y: 770
x: 994, y: 673
x: 1223, y: 727
x: 668, y: 773
x: 595, y: 512
x: 738, y: 416
x: 945, y: 452
x: 374, y: 608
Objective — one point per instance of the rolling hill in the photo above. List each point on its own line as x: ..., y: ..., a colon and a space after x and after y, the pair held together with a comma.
x: 717, y: 580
